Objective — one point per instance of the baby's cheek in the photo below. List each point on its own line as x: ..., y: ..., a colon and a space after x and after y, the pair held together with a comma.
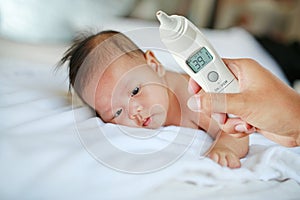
x: 121, y: 120
x: 159, y: 114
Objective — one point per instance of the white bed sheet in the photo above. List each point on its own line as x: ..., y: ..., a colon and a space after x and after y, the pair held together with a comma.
x: 52, y: 150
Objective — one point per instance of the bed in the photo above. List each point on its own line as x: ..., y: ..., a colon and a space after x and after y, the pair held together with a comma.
x: 53, y: 147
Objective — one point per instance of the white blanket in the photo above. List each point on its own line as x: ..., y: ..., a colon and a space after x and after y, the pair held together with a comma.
x: 51, y: 150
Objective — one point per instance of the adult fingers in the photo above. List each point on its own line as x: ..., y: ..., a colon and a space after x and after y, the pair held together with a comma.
x: 237, y: 126
x: 217, y: 102
x: 233, y: 65
x: 193, y: 87
x: 280, y: 139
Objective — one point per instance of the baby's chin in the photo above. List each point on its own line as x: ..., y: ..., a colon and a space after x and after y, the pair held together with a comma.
x: 154, y: 126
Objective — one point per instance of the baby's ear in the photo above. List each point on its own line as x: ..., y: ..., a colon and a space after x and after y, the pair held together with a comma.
x: 154, y: 63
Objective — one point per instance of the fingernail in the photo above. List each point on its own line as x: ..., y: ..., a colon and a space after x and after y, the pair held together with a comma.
x: 251, y: 130
x: 194, y: 103
x: 220, y: 118
x: 241, y: 128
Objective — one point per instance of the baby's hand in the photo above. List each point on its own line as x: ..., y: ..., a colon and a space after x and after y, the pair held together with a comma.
x: 224, y: 157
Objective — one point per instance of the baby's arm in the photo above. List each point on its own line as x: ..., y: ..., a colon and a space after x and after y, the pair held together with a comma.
x: 228, y: 150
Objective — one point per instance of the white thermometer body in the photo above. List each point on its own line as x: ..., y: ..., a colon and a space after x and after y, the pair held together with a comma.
x: 195, y: 55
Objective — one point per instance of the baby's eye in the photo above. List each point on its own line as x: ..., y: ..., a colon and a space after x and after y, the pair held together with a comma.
x: 135, y: 91
x: 118, y: 113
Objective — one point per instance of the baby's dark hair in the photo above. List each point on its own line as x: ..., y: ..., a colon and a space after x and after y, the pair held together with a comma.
x: 89, y: 52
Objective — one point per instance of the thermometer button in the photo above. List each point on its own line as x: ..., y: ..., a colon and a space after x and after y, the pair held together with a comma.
x: 213, y: 76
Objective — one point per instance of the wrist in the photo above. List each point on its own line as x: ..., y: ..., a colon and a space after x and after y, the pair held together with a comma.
x: 295, y: 117
x: 298, y: 123
x: 294, y: 133
x: 297, y: 134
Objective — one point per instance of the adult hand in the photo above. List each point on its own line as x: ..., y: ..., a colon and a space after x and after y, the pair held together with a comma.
x: 264, y: 101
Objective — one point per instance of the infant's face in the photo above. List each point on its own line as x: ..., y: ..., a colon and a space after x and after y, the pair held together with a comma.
x: 131, y: 93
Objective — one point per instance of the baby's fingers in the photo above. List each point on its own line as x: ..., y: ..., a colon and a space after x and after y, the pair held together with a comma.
x: 215, y: 157
x: 233, y: 161
x: 225, y: 160
x: 218, y: 158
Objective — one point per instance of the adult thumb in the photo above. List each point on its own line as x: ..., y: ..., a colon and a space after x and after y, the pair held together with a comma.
x: 216, y: 102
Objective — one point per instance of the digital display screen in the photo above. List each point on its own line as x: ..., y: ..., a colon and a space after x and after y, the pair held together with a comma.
x: 199, y: 59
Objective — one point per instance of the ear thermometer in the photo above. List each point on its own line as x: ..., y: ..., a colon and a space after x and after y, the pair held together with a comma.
x: 195, y: 55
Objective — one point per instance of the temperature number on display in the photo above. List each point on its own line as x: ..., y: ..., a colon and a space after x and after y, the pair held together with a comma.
x: 199, y: 59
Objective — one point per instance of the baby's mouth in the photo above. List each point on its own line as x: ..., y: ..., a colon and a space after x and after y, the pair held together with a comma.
x: 147, y: 121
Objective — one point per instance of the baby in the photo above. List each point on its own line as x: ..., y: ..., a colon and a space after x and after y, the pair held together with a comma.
x: 130, y: 87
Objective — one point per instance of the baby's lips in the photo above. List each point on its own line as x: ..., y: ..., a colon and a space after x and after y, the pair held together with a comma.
x: 147, y: 121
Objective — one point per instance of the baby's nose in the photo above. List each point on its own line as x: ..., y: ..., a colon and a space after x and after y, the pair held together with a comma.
x: 134, y: 110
